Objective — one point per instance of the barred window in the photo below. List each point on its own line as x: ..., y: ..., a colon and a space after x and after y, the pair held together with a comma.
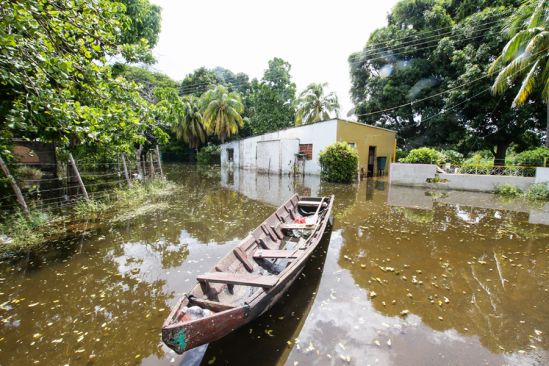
x: 307, y: 150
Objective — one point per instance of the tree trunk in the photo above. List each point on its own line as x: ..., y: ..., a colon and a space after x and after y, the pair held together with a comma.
x: 547, y: 129
x: 501, y: 151
x: 15, y: 187
x: 151, y: 165
x: 158, y: 157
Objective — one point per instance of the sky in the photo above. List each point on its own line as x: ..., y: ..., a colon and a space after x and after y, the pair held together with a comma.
x: 315, y: 37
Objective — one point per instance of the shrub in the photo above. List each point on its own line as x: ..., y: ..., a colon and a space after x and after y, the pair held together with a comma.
x: 401, y: 154
x: 424, y: 155
x: 479, y: 163
x: 537, y: 192
x: 210, y: 154
x: 453, y: 157
x: 507, y: 190
x: 533, y: 157
x: 339, y: 163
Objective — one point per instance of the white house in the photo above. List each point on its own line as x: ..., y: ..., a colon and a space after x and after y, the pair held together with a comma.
x: 283, y: 151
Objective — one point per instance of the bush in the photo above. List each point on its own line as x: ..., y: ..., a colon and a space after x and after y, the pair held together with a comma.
x: 339, y: 163
x: 453, y: 157
x: 537, y: 192
x: 210, y: 154
x: 534, y: 157
x: 479, y: 163
x: 424, y: 155
x: 507, y: 190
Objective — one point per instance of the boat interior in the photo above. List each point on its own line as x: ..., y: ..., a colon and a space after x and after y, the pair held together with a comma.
x: 260, y: 260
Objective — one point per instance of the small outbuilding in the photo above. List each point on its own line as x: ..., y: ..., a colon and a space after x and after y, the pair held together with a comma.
x: 297, y: 149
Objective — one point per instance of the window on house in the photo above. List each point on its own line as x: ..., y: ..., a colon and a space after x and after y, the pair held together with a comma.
x: 230, y: 154
x: 307, y: 150
x: 352, y: 144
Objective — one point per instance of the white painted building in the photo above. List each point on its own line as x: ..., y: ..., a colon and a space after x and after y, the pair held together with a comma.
x: 277, y: 152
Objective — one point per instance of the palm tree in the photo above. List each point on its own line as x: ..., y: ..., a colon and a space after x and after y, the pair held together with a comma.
x: 189, y: 127
x: 221, y: 112
x: 314, y: 106
x: 526, y: 56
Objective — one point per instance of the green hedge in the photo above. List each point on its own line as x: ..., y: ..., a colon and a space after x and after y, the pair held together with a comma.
x: 339, y: 163
x: 424, y: 155
x: 533, y: 157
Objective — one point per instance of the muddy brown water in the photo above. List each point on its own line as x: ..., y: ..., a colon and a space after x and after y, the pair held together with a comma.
x: 405, y: 277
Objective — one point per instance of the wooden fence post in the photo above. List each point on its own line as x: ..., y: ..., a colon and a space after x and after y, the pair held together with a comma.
x: 159, y: 162
x: 78, y: 177
x: 126, y: 170
x: 15, y: 187
x: 151, y: 164
x: 140, y: 174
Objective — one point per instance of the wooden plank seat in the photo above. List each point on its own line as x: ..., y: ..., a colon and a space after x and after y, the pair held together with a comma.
x: 259, y: 254
x: 296, y: 226
x: 238, y: 279
x: 308, y: 203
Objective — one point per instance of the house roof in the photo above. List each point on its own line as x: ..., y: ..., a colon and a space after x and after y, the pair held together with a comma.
x: 314, y: 123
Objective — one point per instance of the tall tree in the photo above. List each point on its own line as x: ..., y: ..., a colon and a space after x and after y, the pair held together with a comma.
x: 190, y: 128
x: 199, y: 81
x: 272, y: 99
x: 222, y: 112
x: 313, y: 105
x: 424, y: 75
x: 525, y: 58
x: 55, y: 81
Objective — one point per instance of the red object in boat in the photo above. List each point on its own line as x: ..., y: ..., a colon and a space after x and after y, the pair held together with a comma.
x: 299, y: 220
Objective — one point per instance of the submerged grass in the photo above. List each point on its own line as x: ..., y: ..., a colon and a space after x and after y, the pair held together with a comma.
x: 19, y: 233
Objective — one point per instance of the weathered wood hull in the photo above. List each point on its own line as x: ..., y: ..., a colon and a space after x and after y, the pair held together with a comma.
x: 181, y: 334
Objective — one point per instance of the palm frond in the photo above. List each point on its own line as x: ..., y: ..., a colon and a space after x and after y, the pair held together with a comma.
x: 506, y: 76
x: 528, y: 84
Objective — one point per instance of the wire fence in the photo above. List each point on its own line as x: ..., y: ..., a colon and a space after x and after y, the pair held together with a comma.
x: 45, y: 190
x: 479, y: 169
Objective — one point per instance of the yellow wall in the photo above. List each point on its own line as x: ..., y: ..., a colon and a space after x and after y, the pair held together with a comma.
x: 365, y: 136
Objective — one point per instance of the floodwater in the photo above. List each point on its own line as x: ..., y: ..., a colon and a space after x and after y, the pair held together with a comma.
x: 405, y: 277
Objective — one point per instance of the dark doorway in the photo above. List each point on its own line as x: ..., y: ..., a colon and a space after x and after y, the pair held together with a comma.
x: 230, y: 154
x: 371, y: 160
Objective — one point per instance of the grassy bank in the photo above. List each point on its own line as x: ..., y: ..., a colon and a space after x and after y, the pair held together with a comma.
x: 20, y: 234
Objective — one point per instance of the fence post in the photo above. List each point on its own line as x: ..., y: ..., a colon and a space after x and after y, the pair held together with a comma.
x: 78, y: 177
x: 126, y: 170
x: 138, y: 160
x: 152, y: 173
x: 15, y: 187
x: 158, y: 157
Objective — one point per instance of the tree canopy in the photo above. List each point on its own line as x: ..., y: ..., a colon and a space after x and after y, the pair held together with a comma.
x: 425, y: 75
x: 56, y: 83
x: 313, y: 105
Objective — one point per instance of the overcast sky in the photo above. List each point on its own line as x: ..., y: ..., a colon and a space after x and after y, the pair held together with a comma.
x: 315, y: 37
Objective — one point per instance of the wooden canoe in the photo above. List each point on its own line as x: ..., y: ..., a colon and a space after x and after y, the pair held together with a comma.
x: 252, y: 277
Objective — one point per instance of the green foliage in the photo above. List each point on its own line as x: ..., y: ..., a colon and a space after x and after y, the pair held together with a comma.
x: 89, y: 209
x: 272, y: 99
x: 210, y: 154
x: 438, y: 95
x: 525, y: 58
x: 314, y: 106
x: 453, y: 157
x: 535, y: 157
x: 56, y: 83
x: 199, y: 81
x: 537, y: 192
x: 424, y: 155
x: 339, y: 163
x: 507, y: 190
x: 20, y: 232
x: 222, y: 112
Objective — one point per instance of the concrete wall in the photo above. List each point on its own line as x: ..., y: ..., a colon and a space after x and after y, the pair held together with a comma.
x: 365, y: 136
x: 411, y: 174
x: 225, y: 155
x: 542, y: 175
x: 417, y: 175
x: 280, y: 148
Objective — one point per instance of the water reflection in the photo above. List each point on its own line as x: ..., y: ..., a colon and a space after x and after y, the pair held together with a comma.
x: 471, y: 273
